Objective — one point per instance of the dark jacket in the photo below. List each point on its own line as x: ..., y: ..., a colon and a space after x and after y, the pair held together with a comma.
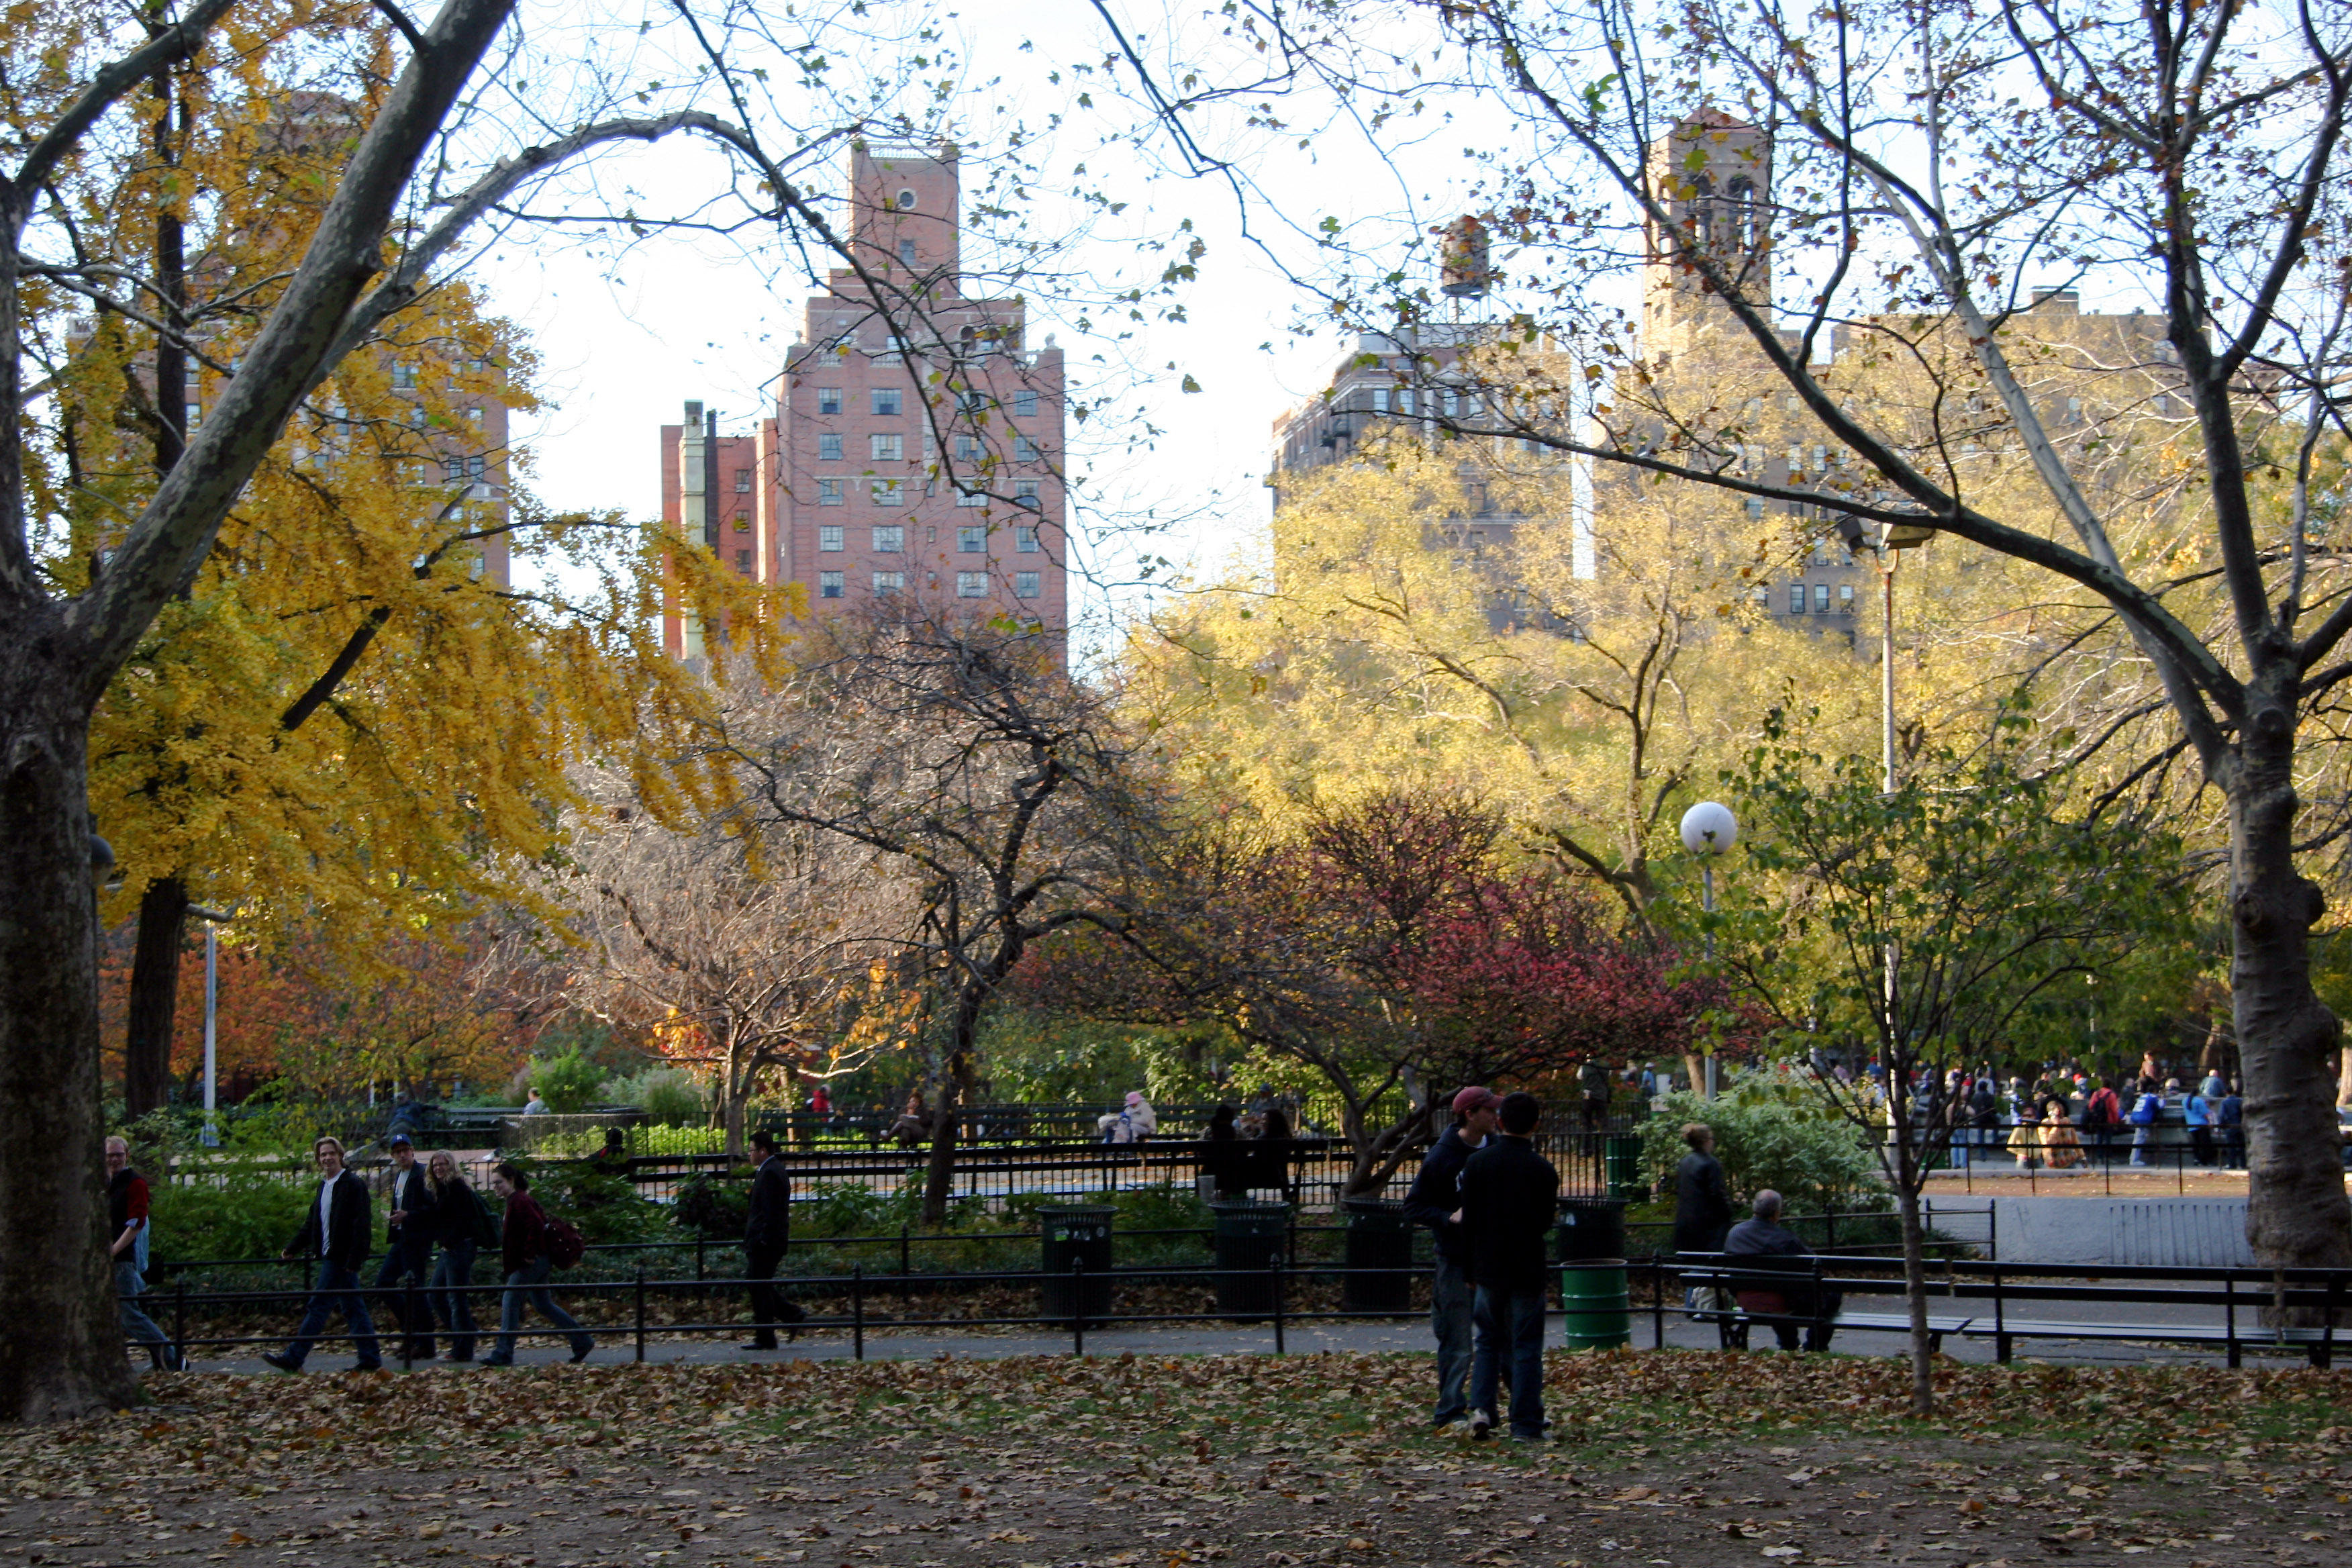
x: 1702, y: 1204
x: 1437, y: 1193
x: 768, y: 1224
x: 1510, y: 1200
x: 354, y: 1235
x: 1762, y: 1238
x: 411, y: 1192
x: 1269, y: 1161
x: 1765, y: 1246
x: 1227, y: 1162
x: 524, y: 1240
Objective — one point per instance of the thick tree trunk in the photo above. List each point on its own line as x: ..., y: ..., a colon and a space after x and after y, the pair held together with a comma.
x: 154, y: 997
x: 2296, y: 1213
x: 939, y: 1175
x: 62, y: 1355
x: 1914, y: 1299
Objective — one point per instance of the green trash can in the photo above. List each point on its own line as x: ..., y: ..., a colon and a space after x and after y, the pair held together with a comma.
x: 1379, y: 1256
x: 1591, y: 1229
x: 1249, y: 1240
x: 1620, y: 1157
x: 1075, y: 1233
x: 1596, y: 1313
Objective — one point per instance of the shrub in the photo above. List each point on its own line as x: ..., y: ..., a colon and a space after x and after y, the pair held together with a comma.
x: 232, y: 1207
x: 1772, y: 1128
x: 568, y: 1083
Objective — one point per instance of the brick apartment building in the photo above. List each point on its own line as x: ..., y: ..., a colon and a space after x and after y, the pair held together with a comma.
x: 915, y: 451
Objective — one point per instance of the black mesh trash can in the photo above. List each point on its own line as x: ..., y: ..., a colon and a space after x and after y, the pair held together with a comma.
x: 1249, y: 1240
x: 1379, y: 1256
x: 1591, y: 1229
x: 1075, y: 1232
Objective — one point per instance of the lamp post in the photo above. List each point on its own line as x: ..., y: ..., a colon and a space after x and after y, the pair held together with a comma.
x: 1708, y: 829
x: 212, y: 919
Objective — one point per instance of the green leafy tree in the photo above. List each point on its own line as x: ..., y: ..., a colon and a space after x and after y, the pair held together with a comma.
x: 1918, y: 923
x: 1772, y: 1128
x: 568, y: 1083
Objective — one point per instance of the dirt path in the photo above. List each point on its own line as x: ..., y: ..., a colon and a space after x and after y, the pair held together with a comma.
x: 1682, y: 1458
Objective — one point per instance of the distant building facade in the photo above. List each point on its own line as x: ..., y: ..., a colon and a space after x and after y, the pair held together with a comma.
x: 916, y: 449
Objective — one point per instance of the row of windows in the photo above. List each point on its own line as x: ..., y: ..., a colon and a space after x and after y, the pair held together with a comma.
x: 891, y: 402
x: 890, y: 539
x: 969, y: 584
x: 831, y: 447
x: 893, y: 494
x: 1820, y: 592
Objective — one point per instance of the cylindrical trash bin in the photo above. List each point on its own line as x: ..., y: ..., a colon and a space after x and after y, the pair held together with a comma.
x: 1075, y: 1232
x: 1596, y: 1313
x: 1591, y: 1227
x: 1621, y: 1159
x: 1379, y: 1256
x: 1248, y: 1242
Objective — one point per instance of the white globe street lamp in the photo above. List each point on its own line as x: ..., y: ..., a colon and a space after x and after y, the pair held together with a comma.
x: 1708, y: 829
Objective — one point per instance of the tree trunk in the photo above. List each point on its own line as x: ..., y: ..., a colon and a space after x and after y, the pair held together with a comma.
x: 939, y: 1175
x: 155, y: 1000
x: 1694, y: 1069
x: 2296, y: 1213
x: 1914, y: 1297
x: 62, y: 1357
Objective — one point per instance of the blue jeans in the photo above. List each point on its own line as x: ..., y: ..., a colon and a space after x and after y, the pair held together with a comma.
x: 1450, y: 1301
x: 531, y: 1281
x: 337, y: 1290
x: 136, y: 1323
x: 1510, y: 1324
x: 451, y: 1274
x: 403, y: 1261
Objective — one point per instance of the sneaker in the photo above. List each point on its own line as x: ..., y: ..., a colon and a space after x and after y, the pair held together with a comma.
x: 489, y: 1362
x: 1482, y: 1427
x: 583, y: 1353
x: 281, y: 1360
x: 756, y: 1345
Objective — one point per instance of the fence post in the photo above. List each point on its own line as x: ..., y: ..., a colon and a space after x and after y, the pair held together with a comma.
x: 906, y: 1298
x: 697, y: 1256
x: 857, y: 1311
x: 1277, y: 1282
x: 1079, y: 1307
x: 1657, y: 1300
x: 408, y: 1322
x: 641, y: 1314
x: 2230, y: 1315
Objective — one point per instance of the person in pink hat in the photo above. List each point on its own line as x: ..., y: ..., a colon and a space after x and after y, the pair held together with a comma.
x: 1433, y: 1201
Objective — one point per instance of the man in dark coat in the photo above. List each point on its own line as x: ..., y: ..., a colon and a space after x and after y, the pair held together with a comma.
x: 1702, y: 1198
x: 1436, y: 1195
x: 408, y: 1247
x: 766, y: 1231
x: 1510, y: 1197
x: 1752, y: 1241
x: 339, y: 1231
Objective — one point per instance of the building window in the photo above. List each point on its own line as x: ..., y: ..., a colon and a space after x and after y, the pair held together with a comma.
x: 1845, y: 598
x: 971, y: 498
x: 1024, y: 539
x: 829, y: 584
x: 889, y: 538
x: 1025, y: 449
x: 972, y: 540
x: 1025, y: 494
x: 742, y: 481
x: 828, y: 400
x: 1024, y: 584
x: 1756, y: 506
x: 828, y: 448
x: 1820, y: 598
x: 967, y: 448
x: 906, y: 198
x: 889, y: 582
x: 743, y: 562
x: 828, y: 536
x: 886, y: 448
x: 828, y: 492
x: 889, y: 492
x: 906, y: 253
x: 1024, y: 404
x: 886, y: 399
x: 971, y: 585
x: 1796, y: 598
x: 742, y: 522
x: 1763, y: 598
x: 404, y: 377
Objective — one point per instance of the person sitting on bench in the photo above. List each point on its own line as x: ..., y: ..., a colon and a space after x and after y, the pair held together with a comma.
x: 1762, y: 1243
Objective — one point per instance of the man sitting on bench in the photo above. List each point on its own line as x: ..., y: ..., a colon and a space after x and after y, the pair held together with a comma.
x: 1763, y: 1243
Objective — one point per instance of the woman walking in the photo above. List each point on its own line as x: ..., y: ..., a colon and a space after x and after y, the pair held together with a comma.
x: 527, y: 1266
x: 461, y: 1221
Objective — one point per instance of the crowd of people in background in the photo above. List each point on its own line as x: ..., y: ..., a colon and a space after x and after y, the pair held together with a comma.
x: 2065, y: 1118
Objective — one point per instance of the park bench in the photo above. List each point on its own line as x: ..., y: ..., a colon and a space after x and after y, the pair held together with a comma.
x: 1998, y: 1295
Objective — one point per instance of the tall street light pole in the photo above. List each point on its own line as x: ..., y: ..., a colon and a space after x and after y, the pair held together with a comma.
x: 212, y: 919
x: 1708, y: 829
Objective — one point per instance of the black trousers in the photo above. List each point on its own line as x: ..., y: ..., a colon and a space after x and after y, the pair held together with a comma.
x: 769, y: 1307
x: 405, y: 1261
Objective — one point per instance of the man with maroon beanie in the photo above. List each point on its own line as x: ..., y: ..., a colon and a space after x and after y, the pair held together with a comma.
x: 1435, y: 1197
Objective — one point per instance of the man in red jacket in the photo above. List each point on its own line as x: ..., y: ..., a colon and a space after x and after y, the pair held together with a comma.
x: 527, y: 1266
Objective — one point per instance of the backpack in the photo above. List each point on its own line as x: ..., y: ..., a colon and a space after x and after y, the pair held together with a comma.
x: 485, y: 1226
x: 565, y: 1246
x: 2101, y: 1112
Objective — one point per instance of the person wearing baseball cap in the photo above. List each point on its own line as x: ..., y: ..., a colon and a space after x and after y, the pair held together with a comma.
x: 408, y: 1247
x: 1434, y: 1200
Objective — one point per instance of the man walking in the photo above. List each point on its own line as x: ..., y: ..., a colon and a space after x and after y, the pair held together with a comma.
x: 339, y: 1230
x: 526, y: 1266
x: 1765, y: 1236
x: 1435, y: 1197
x: 408, y: 1248
x: 126, y: 1209
x: 1594, y: 1077
x: 1510, y: 1195
x: 767, y: 1230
